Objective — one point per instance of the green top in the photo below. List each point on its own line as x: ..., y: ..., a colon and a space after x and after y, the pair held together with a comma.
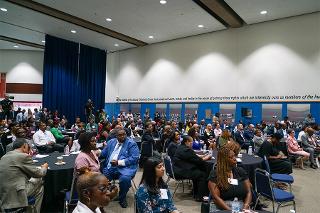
x: 56, y: 133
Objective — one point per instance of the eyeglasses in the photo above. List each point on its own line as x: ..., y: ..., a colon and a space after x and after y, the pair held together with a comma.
x: 103, y: 189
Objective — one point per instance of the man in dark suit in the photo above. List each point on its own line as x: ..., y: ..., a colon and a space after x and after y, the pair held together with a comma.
x: 239, y: 137
x: 121, y: 163
x: 188, y: 165
x: 20, y: 178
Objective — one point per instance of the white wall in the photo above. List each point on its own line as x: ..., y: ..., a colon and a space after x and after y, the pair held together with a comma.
x: 277, y: 58
x: 23, y: 67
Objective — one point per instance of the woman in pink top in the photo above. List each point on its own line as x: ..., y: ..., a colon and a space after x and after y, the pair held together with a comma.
x: 294, y: 148
x: 87, y: 157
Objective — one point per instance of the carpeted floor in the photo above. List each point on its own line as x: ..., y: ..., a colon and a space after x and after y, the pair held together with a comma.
x: 306, y: 189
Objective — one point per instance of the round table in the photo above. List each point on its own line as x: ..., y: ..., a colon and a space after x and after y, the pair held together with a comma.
x: 57, y: 179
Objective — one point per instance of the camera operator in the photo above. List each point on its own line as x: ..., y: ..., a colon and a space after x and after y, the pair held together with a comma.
x: 89, y: 109
x: 7, y: 106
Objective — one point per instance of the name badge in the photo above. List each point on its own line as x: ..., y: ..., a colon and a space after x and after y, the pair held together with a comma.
x: 233, y: 181
x: 164, y: 194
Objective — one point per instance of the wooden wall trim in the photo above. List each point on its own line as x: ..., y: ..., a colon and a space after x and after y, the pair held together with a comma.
x: 24, y: 88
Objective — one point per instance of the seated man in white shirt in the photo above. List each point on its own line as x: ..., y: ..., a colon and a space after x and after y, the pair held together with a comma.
x: 45, y: 141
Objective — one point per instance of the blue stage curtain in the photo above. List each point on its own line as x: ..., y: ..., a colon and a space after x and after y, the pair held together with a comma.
x: 92, y: 75
x: 69, y: 79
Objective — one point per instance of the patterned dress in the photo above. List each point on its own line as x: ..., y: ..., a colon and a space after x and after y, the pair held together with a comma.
x: 152, y: 203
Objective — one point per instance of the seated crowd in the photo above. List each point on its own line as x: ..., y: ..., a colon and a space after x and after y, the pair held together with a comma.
x: 112, y: 150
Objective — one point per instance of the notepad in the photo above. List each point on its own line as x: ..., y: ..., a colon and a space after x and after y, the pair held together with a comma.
x: 41, y: 156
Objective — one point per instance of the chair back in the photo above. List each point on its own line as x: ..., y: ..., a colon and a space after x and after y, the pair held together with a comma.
x: 146, y: 149
x: 73, y: 191
x: 263, y: 183
x: 168, y: 166
x: 266, y: 164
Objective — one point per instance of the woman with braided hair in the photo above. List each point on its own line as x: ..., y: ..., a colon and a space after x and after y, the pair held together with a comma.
x: 227, y: 181
x: 94, y: 192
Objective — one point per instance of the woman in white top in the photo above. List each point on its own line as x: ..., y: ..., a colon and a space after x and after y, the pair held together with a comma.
x: 94, y: 192
x: 217, y: 131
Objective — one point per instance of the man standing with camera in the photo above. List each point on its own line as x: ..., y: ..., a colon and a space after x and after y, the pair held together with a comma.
x: 7, y: 106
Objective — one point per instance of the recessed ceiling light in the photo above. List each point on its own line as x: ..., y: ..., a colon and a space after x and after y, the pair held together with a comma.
x: 73, y: 31
x: 263, y: 12
x: 43, y: 41
x: 163, y: 1
x: 150, y: 37
x: 16, y: 46
x: 116, y: 45
x: 108, y: 19
x: 200, y: 26
x: 3, y: 9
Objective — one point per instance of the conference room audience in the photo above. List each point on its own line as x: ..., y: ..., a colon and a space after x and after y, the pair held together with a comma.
x: 249, y: 132
x: 258, y: 140
x: 294, y: 148
x: 20, y: 178
x: 302, y: 132
x: 75, y: 126
x: 153, y: 195
x: 224, y: 138
x: 188, y: 165
x: 92, y: 126
x: 166, y: 137
x: 45, y: 140
x: 227, y: 181
x: 122, y: 155
x: 93, y: 192
x: 217, y: 131
x: 88, y: 156
x: 239, y: 137
x: 208, y: 135
x: 147, y: 135
x: 60, y: 138
x: 279, y: 163
x: 173, y: 144
x: 197, y: 144
x: 234, y: 146
x: 309, y: 145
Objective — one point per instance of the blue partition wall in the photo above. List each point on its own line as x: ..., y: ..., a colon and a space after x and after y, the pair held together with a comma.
x: 113, y: 109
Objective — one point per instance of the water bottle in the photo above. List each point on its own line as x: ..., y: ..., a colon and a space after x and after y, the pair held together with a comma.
x: 66, y: 150
x: 235, y: 205
x: 212, y: 207
x: 250, y: 150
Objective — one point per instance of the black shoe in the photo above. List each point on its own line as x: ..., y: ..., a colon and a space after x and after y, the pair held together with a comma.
x: 123, y: 204
x: 313, y: 166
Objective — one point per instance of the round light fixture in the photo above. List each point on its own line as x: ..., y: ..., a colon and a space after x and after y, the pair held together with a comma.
x: 116, y: 45
x: 108, y: 19
x: 16, y: 46
x: 163, y: 1
x: 73, y: 31
x: 43, y: 41
x: 150, y: 37
x: 263, y: 12
x: 3, y: 9
x: 200, y: 26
